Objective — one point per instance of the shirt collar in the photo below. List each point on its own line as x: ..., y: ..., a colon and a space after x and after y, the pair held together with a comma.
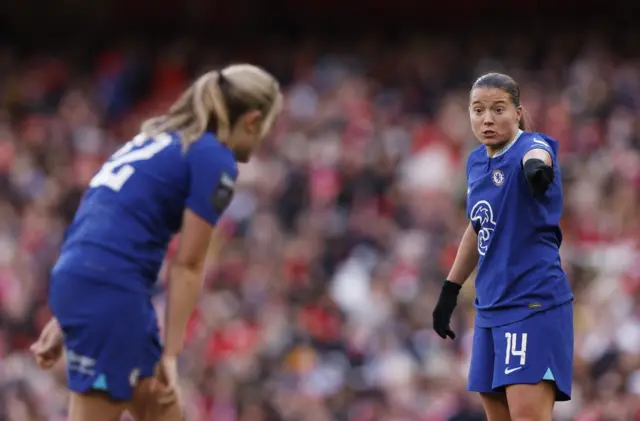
x: 507, y: 147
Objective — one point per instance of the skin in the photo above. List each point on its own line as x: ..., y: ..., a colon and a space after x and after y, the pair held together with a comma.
x: 494, y: 118
x: 246, y: 135
x: 158, y: 398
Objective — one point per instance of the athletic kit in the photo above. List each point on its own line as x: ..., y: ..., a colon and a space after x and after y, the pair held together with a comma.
x: 102, y: 282
x: 524, y: 310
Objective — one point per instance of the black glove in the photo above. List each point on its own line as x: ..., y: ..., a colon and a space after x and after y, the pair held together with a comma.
x: 539, y: 176
x: 444, y: 309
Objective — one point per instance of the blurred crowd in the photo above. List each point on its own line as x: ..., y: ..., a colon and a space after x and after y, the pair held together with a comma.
x: 325, y: 269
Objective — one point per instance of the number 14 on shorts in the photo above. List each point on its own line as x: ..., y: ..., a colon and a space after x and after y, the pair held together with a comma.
x: 516, y: 352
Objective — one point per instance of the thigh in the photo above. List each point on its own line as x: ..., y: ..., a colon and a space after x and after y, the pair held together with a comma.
x: 539, y: 348
x: 94, y: 406
x: 531, y: 401
x: 482, y: 358
x: 144, y: 405
x: 495, y: 406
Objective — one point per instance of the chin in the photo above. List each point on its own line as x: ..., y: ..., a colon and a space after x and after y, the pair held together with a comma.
x: 494, y: 142
x: 242, y: 157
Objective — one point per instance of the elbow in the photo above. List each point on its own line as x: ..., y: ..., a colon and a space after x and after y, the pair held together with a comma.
x: 193, y: 268
x: 189, y: 260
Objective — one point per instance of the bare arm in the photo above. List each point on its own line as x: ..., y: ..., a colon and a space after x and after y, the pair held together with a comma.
x: 467, y: 257
x: 464, y: 264
x: 540, y: 154
x: 185, y: 279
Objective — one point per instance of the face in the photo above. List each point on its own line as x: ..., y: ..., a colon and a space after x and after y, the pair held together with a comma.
x: 494, y: 118
x: 247, y: 135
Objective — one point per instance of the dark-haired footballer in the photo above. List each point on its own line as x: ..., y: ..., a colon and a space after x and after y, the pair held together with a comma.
x: 522, y: 352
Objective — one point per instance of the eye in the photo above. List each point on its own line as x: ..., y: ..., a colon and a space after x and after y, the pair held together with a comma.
x: 477, y: 110
x: 499, y: 110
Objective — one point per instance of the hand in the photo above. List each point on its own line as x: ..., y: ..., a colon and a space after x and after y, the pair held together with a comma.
x: 539, y: 175
x: 542, y: 180
x: 444, y: 309
x: 166, y: 381
x: 47, y: 350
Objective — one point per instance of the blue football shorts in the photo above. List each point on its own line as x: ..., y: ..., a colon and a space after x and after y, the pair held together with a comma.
x: 538, y: 348
x: 111, y: 336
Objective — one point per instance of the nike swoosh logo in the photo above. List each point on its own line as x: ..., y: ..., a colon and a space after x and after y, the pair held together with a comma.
x: 511, y: 370
x: 541, y: 142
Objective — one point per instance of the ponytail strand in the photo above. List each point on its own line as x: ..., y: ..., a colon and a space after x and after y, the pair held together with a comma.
x: 525, y: 124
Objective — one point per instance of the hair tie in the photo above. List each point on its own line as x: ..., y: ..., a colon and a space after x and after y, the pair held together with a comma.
x: 222, y: 80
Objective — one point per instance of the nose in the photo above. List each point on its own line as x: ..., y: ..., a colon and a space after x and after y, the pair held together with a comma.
x: 488, y: 120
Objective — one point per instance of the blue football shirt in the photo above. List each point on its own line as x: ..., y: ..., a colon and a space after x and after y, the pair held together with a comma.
x: 135, y: 203
x: 519, y: 237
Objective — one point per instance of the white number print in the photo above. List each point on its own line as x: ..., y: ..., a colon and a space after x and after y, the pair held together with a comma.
x: 115, y: 172
x: 512, y: 348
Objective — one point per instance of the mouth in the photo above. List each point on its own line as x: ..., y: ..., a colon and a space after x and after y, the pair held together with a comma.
x: 489, y: 134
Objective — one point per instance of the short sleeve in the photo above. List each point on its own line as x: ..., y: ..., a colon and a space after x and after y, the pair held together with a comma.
x: 541, y: 142
x: 212, y: 176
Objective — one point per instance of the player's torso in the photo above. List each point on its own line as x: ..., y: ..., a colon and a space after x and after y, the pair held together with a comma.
x: 133, y: 206
x: 518, y: 237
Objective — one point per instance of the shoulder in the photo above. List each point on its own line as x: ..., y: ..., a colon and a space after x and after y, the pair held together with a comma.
x: 208, y: 152
x: 479, y: 153
x: 535, y: 140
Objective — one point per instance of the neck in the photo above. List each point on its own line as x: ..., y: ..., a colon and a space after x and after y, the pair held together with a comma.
x: 494, y: 149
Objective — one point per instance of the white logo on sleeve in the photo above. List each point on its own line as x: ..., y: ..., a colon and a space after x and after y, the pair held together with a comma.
x: 541, y: 142
x: 513, y: 351
x: 482, y: 214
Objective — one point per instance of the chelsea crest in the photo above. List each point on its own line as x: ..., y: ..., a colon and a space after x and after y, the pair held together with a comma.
x: 497, y: 177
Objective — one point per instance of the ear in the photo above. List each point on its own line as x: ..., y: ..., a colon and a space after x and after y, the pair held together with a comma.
x: 251, y: 121
x: 519, y: 114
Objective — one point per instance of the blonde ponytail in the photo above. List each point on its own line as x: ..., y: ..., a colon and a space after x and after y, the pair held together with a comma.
x: 273, y: 113
x: 207, y: 100
x: 219, y: 108
x: 246, y: 87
